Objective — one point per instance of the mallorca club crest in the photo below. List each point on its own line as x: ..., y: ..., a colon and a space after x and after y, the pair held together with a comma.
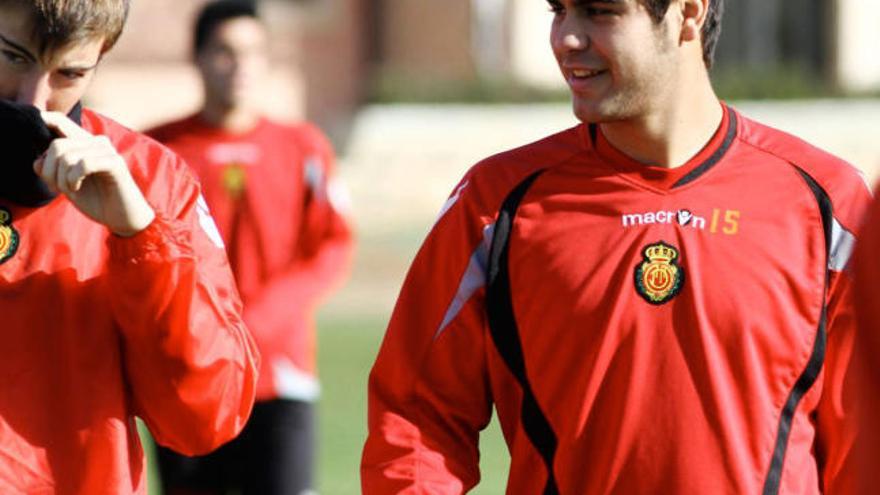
x: 8, y: 236
x: 659, y: 277
x: 234, y: 179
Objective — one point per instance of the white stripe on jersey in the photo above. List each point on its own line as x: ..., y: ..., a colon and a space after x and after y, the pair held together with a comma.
x: 451, y: 201
x: 474, y: 277
x: 842, y: 243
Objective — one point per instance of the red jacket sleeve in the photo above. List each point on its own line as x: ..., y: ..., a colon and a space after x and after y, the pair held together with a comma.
x: 429, y: 392
x: 190, y: 362
x: 867, y: 346
x: 324, y: 246
x: 837, y: 427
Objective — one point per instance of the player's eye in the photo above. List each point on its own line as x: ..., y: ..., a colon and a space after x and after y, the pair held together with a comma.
x: 595, y: 11
x: 72, y: 74
x: 556, y: 7
x: 14, y: 58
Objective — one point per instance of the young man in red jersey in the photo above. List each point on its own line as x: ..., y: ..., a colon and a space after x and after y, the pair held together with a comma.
x: 116, y: 295
x: 866, y: 261
x: 653, y: 301
x: 271, y: 188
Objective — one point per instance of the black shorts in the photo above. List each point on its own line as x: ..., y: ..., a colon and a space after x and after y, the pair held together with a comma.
x: 273, y: 455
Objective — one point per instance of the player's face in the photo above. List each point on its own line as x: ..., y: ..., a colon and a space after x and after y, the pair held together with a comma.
x: 618, y: 62
x: 234, y: 62
x: 51, y: 81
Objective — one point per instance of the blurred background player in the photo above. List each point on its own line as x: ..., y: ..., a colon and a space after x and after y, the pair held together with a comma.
x: 271, y: 188
x: 116, y: 295
x: 638, y: 322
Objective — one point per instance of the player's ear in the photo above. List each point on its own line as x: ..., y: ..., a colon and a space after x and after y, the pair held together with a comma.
x: 693, y: 15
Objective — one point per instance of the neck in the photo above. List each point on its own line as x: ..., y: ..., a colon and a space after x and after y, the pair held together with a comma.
x: 675, y: 131
x: 230, y: 119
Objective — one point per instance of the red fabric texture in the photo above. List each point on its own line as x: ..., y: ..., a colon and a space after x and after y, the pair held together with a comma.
x: 99, y: 329
x: 683, y: 397
x: 867, y: 298
x: 271, y: 191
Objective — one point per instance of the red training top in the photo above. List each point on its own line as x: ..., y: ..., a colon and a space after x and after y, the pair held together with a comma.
x: 638, y: 329
x: 277, y: 203
x: 98, y: 329
x: 867, y: 297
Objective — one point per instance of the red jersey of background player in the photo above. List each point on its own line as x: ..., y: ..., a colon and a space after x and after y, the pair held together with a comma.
x: 273, y: 194
x: 638, y: 329
x: 99, y: 328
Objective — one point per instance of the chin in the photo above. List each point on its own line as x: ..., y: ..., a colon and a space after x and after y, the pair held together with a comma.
x: 601, y: 111
x: 589, y: 113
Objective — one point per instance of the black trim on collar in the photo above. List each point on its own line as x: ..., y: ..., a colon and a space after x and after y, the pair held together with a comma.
x: 594, y: 133
x: 75, y: 113
x: 505, y: 333
x: 716, y: 156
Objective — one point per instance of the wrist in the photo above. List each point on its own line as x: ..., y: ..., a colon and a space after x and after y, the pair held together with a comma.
x: 142, y: 219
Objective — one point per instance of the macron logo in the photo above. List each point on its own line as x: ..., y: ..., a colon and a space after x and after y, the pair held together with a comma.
x: 685, y: 218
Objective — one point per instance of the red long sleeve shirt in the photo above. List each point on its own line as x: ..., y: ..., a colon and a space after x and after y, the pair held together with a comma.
x: 274, y: 195
x: 98, y: 329
x: 638, y: 329
x: 867, y: 298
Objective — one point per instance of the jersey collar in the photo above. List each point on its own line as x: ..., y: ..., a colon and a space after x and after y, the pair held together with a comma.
x: 668, y: 178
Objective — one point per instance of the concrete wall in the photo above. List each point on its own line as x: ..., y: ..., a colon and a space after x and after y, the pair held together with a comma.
x: 532, y: 60
x: 426, y: 41
x: 857, y: 51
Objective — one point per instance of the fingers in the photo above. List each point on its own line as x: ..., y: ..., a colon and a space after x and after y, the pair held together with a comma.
x: 69, y: 162
x: 61, y: 124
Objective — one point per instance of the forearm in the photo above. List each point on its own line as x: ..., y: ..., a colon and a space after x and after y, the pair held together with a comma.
x: 189, y: 358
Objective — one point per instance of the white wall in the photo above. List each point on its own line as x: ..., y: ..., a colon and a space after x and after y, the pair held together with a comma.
x: 532, y: 61
x: 858, y: 54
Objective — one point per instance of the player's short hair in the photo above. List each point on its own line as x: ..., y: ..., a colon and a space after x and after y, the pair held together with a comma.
x: 58, y: 23
x: 711, y: 29
x: 216, y: 13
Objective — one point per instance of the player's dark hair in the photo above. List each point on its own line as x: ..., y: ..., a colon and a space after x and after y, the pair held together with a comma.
x: 711, y: 28
x: 216, y: 13
x: 57, y: 23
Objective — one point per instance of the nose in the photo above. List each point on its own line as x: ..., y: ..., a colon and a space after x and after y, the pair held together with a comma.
x: 568, y: 35
x: 35, y: 89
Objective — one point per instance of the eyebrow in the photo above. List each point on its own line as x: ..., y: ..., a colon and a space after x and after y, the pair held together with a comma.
x: 82, y: 68
x: 24, y: 51
x: 29, y: 56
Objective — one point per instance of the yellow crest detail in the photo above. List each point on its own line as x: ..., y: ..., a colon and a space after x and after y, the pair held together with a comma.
x: 8, y: 236
x: 234, y: 179
x: 659, y: 277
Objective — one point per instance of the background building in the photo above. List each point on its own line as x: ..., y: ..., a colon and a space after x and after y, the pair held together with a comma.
x: 332, y: 56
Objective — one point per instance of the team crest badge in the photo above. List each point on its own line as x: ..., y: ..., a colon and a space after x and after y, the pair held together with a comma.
x: 8, y: 236
x: 234, y: 179
x: 659, y: 277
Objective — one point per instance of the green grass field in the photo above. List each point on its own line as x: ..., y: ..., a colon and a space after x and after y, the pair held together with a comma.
x: 348, y: 347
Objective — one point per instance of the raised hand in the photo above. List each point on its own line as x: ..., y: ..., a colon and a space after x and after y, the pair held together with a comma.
x: 94, y: 177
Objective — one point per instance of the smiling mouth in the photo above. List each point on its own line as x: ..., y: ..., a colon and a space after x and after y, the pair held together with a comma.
x: 586, y: 73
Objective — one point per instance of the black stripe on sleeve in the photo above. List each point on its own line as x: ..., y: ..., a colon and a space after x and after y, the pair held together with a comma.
x: 505, y: 333
x: 814, y: 364
x: 825, y: 207
x: 801, y: 387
